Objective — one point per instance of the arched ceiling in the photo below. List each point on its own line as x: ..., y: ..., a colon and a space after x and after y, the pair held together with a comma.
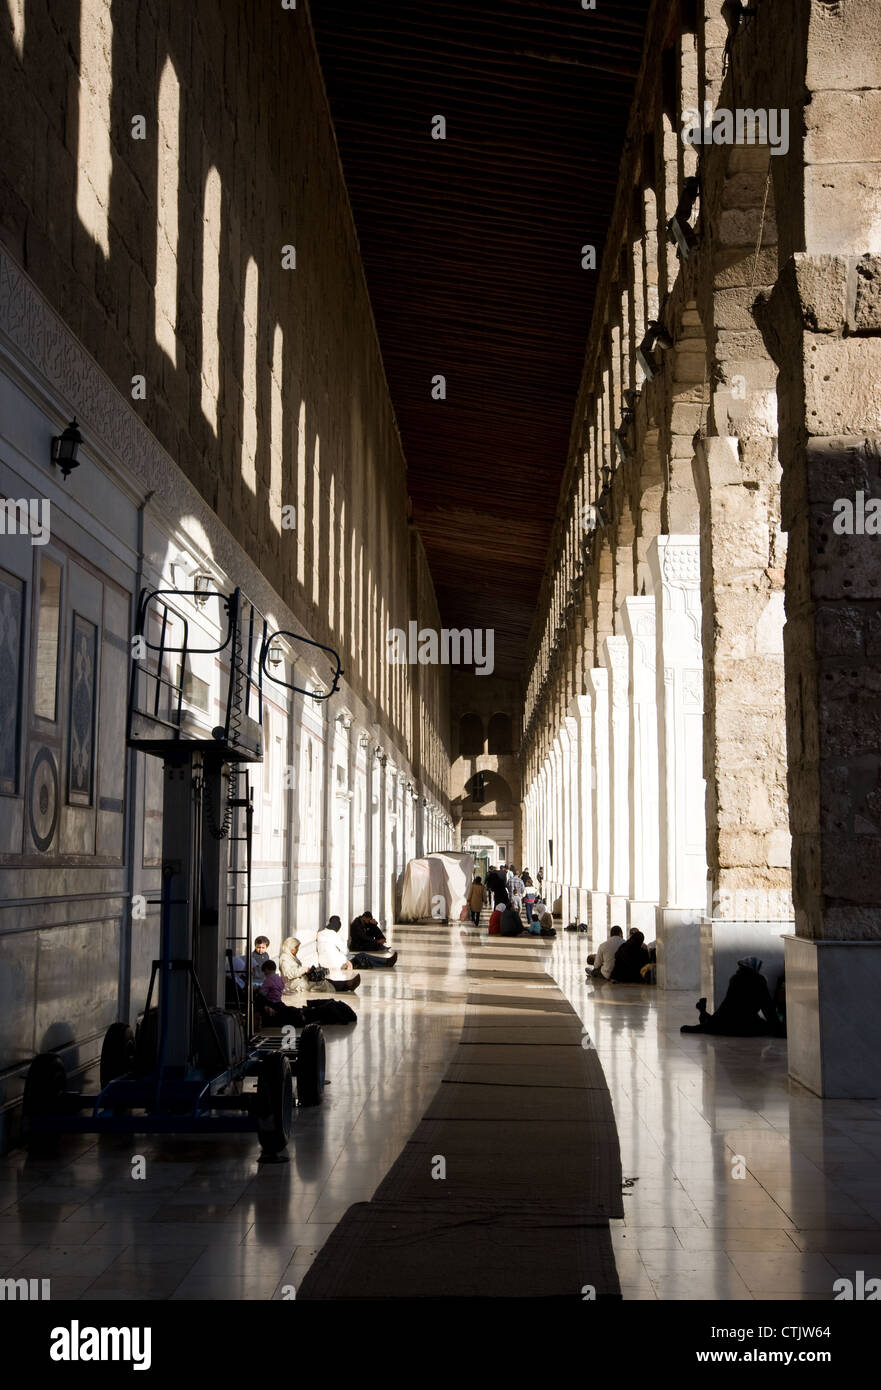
x: 472, y: 252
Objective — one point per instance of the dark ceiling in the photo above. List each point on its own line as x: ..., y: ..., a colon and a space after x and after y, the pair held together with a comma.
x: 472, y: 251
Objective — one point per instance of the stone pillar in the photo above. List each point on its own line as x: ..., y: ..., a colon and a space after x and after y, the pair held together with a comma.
x: 748, y: 841
x: 382, y: 848
x: 570, y: 812
x: 822, y: 326
x: 598, y: 692
x: 830, y: 410
x: 640, y: 628
x: 674, y: 562
x: 615, y: 659
x: 579, y: 708
x: 557, y: 824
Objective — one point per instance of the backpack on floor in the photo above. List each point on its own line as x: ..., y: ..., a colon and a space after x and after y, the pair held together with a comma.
x: 329, y: 1011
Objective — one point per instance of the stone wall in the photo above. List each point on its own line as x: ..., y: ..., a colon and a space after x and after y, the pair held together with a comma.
x: 292, y: 410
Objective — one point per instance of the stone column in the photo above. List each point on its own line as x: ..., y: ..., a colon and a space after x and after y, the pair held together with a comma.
x: 557, y: 818
x: 674, y: 562
x: 570, y: 812
x: 598, y: 693
x: 579, y: 708
x: 640, y: 628
x: 615, y: 659
x: 822, y: 326
x: 830, y: 410
x: 382, y: 848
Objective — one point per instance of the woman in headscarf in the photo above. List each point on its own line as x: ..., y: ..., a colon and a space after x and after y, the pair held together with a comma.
x: 747, y: 1009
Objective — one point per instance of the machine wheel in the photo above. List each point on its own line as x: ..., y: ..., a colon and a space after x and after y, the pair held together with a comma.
x: 44, y: 1090
x: 117, y: 1053
x: 311, y: 1065
x: 275, y: 1102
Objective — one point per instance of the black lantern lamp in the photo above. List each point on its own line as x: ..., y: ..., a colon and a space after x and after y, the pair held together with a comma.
x: 65, y: 448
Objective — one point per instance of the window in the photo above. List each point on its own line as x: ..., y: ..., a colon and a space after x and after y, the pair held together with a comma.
x: 470, y: 736
x: 500, y: 734
x: 11, y: 637
x: 48, y: 625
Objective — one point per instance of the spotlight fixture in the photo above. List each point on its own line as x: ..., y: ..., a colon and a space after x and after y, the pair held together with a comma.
x: 65, y: 448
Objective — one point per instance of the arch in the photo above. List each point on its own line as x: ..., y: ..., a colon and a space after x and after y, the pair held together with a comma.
x: 499, y: 734
x: 471, y: 735
x: 487, y: 794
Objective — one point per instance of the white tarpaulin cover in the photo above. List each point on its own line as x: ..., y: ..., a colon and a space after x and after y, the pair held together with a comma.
x: 446, y: 876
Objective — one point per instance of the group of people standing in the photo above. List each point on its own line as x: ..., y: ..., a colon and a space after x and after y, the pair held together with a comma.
x: 508, y: 894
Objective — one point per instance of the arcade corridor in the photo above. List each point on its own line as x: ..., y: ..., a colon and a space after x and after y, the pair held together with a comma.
x: 440, y: 438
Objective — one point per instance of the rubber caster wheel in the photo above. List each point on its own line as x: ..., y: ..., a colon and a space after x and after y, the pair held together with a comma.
x: 311, y: 1065
x: 117, y: 1053
x: 275, y: 1102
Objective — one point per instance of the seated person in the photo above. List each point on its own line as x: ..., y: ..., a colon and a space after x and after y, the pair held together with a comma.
x: 331, y: 952
x: 510, y: 924
x: 747, y: 1009
x: 604, y: 959
x: 365, y: 935
x: 630, y: 957
x: 259, y: 954
x: 268, y: 1000
x: 495, y: 922
x: 546, y: 925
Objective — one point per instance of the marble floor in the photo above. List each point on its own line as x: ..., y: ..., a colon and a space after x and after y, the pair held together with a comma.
x: 738, y: 1183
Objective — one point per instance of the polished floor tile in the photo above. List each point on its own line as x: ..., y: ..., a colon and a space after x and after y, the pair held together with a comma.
x: 740, y: 1184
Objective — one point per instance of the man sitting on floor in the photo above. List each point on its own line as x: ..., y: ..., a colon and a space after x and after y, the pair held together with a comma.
x: 604, y: 959
x: 629, y: 960
x: 365, y: 935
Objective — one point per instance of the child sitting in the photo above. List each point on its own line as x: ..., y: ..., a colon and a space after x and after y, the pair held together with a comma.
x: 268, y: 999
x: 259, y: 954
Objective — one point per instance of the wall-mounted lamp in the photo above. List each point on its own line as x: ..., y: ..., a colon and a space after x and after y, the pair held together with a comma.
x: 274, y: 655
x: 646, y: 357
x: 65, y: 448
x: 660, y: 335
x: 621, y: 446
x: 631, y: 396
x: 678, y: 228
x: 202, y: 587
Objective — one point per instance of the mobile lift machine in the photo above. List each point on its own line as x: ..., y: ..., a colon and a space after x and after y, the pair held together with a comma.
x: 183, y: 1069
